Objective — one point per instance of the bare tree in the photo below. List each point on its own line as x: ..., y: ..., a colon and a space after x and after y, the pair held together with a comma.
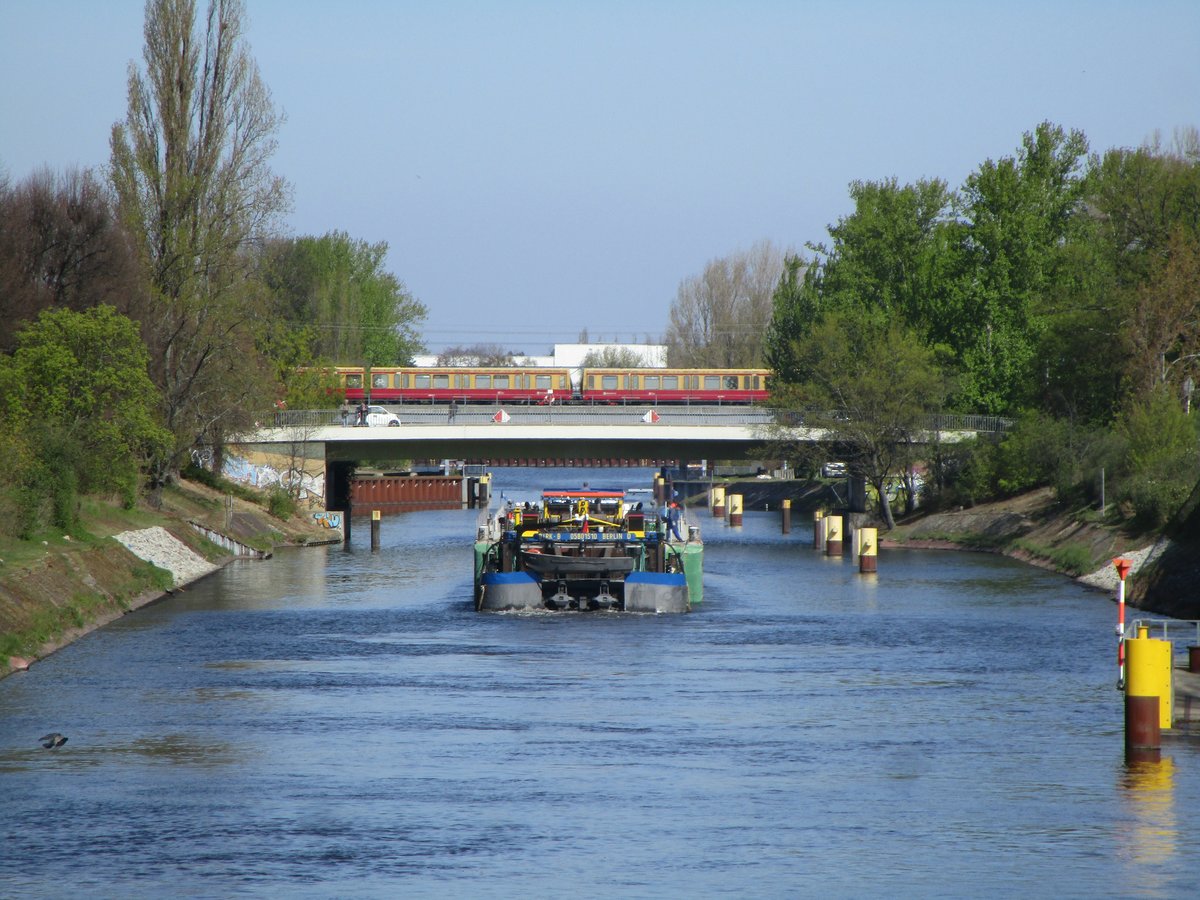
x: 613, y: 358
x: 190, y: 170
x: 478, y: 355
x: 60, y: 246
x: 720, y: 317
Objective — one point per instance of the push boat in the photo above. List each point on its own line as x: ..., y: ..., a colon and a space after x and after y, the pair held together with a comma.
x: 587, y: 550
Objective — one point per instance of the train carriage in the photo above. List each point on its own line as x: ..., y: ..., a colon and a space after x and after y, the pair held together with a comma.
x: 536, y: 384
x: 461, y: 384
x: 666, y: 385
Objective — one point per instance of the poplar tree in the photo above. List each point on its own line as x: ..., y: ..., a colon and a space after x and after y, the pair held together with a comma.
x: 189, y: 166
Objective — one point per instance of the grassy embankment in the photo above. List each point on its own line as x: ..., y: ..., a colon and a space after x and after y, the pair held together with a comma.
x: 58, y: 586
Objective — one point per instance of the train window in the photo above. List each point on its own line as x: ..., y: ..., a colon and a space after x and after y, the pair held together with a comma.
x: 712, y: 382
x: 501, y: 382
x: 670, y: 382
x: 693, y: 382
x: 651, y: 382
x: 421, y: 381
x: 354, y: 381
x: 379, y: 379
x: 608, y: 382
x: 460, y: 381
x: 754, y: 382
x: 731, y: 382
x: 483, y: 381
x: 402, y: 379
x: 441, y: 381
x: 542, y: 382
x: 630, y: 382
x: 591, y: 382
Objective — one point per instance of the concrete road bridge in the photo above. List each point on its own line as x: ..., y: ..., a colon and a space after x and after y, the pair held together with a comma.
x: 560, y: 432
x: 315, y: 446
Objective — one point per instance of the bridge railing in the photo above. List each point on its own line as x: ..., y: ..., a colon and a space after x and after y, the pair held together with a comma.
x: 590, y: 415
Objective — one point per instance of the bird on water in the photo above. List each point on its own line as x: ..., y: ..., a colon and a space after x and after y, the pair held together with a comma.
x: 53, y: 740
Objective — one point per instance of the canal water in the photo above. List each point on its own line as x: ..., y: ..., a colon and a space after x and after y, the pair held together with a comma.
x: 340, y: 723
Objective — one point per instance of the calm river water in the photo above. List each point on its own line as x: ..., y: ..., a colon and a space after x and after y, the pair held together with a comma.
x: 334, y: 722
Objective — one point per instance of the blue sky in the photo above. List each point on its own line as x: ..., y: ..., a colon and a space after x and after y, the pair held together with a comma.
x: 539, y: 168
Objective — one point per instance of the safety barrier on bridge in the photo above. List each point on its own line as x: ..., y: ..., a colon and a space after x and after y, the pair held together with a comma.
x: 482, y: 414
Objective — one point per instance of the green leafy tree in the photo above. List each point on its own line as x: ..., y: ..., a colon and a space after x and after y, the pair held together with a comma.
x: 796, y: 307
x: 190, y: 171
x: 1162, y: 459
x: 882, y: 256
x: 1018, y: 213
x: 871, y: 387
x: 78, y: 409
x: 335, y: 291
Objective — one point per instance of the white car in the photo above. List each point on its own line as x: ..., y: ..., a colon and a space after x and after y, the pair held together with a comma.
x: 377, y: 415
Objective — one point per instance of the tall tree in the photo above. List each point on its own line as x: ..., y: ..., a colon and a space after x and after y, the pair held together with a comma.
x: 190, y: 170
x: 882, y: 256
x: 1018, y: 211
x: 720, y: 317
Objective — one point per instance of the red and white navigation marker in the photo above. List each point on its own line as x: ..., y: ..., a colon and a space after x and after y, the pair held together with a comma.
x: 1123, y: 566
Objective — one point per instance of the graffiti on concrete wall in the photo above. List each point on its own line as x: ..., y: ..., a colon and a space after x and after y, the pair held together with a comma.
x: 302, y: 485
x: 328, y: 519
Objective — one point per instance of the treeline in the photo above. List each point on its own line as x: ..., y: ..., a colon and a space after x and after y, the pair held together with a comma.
x: 155, y: 307
x: 1055, y: 287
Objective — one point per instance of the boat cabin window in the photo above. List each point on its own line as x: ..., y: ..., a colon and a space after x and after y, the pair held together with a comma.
x: 441, y: 381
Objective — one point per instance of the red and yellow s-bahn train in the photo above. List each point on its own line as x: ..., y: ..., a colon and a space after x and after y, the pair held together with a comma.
x: 540, y: 384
